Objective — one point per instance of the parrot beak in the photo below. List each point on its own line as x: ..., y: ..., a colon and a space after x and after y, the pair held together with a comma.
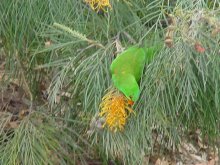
x: 130, y: 102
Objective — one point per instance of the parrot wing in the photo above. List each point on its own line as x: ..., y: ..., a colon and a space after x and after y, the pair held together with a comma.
x: 131, y: 61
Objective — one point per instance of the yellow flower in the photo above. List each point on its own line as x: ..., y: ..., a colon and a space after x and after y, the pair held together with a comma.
x: 98, y: 4
x: 115, y: 107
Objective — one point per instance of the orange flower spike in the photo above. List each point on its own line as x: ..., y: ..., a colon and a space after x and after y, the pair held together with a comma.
x: 98, y: 5
x: 115, y: 108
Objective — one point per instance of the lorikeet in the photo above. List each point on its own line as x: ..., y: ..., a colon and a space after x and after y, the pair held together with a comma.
x: 127, y: 69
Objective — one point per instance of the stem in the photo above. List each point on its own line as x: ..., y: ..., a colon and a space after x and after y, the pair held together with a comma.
x: 28, y: 91
x: 78, y: 35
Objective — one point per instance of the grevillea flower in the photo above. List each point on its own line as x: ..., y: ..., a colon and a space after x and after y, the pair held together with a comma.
x: 98, y: 4
x: 115, y: 108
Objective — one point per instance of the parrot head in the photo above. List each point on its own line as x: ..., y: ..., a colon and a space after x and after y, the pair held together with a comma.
x: 127, y: 84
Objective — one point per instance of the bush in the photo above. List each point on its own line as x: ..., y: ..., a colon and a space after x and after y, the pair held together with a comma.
x: 63, y: 50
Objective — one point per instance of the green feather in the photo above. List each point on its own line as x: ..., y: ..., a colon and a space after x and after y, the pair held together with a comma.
x: 127, y: 69
x: 127, y: 84
x: 131, y: 61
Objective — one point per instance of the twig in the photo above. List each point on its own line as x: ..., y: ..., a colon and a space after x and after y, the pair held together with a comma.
x: 24, y: 79
x: 130, y: 38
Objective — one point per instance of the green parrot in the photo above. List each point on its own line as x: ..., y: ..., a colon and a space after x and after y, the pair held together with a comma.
x: 127, y: 69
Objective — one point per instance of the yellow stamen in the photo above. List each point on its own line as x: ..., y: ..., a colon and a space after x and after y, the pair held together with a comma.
x: 115, y: 107
x: 98, y: 4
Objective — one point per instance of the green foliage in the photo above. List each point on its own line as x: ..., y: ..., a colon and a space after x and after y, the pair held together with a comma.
x: 38, y: 139
x: 179, y: 88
